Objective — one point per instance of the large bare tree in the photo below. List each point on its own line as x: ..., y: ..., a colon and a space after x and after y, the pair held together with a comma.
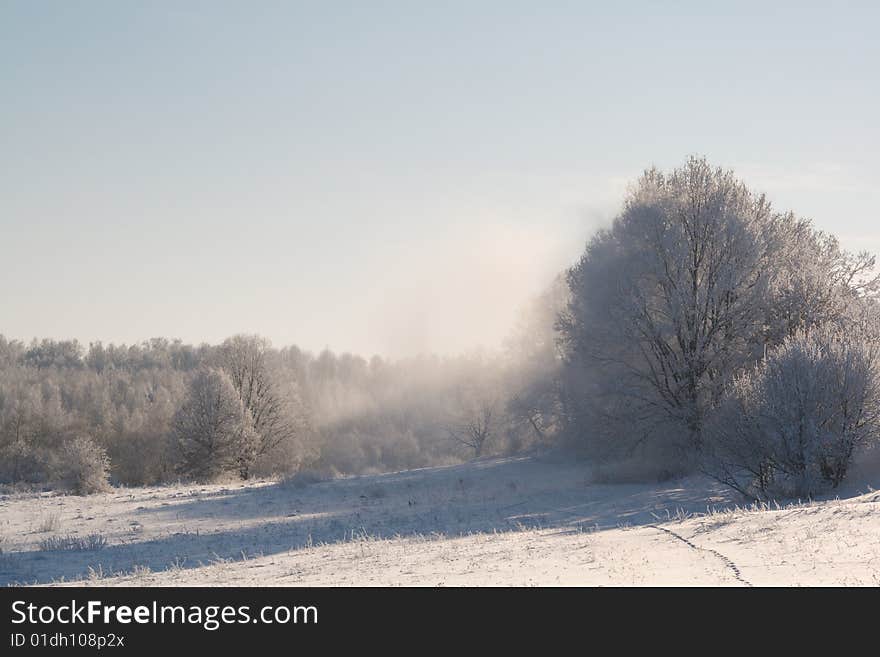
x: 475, y: 427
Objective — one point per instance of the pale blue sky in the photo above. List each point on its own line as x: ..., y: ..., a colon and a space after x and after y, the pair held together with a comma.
x: 390, y: 177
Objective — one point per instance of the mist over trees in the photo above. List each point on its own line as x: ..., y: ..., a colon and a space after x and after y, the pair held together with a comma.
x: 163, y: 410
x: 702, y: 331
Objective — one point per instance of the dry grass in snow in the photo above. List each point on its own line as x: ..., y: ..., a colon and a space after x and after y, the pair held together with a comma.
x: 517, y: 521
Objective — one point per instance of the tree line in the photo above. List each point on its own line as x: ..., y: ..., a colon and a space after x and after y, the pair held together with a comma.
x: 162, y: 410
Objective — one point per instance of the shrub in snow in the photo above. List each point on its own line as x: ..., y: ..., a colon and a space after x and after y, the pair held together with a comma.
x: 83, y: 466
x: 791, y: 426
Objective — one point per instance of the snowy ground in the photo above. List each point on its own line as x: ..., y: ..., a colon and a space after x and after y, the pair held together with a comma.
x: 518, y: 521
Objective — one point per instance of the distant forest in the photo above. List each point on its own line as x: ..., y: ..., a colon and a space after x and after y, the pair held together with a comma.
x: 163, y: 410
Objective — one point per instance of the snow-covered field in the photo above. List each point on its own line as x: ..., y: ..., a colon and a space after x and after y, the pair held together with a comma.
x: 515, y: 521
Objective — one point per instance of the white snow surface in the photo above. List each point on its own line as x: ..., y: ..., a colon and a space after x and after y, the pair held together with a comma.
x: 513, y: 521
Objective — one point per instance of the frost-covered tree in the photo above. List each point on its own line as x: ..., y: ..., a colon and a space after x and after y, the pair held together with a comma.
x: 696, y: 280
x: 245, y: 358
x: 212, y: 429
x: 667, y: 303
x: 51, y: 353
x: 791, y: 426
x: 816, y: 283
x: 11, y: 352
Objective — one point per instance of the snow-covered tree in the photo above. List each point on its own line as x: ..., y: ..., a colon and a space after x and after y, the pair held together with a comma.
x: 212, y: 429
x: 245, y: 358
x: 667, y: 302
x: 696, y: 280
x: 816, y: 283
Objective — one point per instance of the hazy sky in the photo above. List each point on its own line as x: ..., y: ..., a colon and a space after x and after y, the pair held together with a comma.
x: 391, y: 177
